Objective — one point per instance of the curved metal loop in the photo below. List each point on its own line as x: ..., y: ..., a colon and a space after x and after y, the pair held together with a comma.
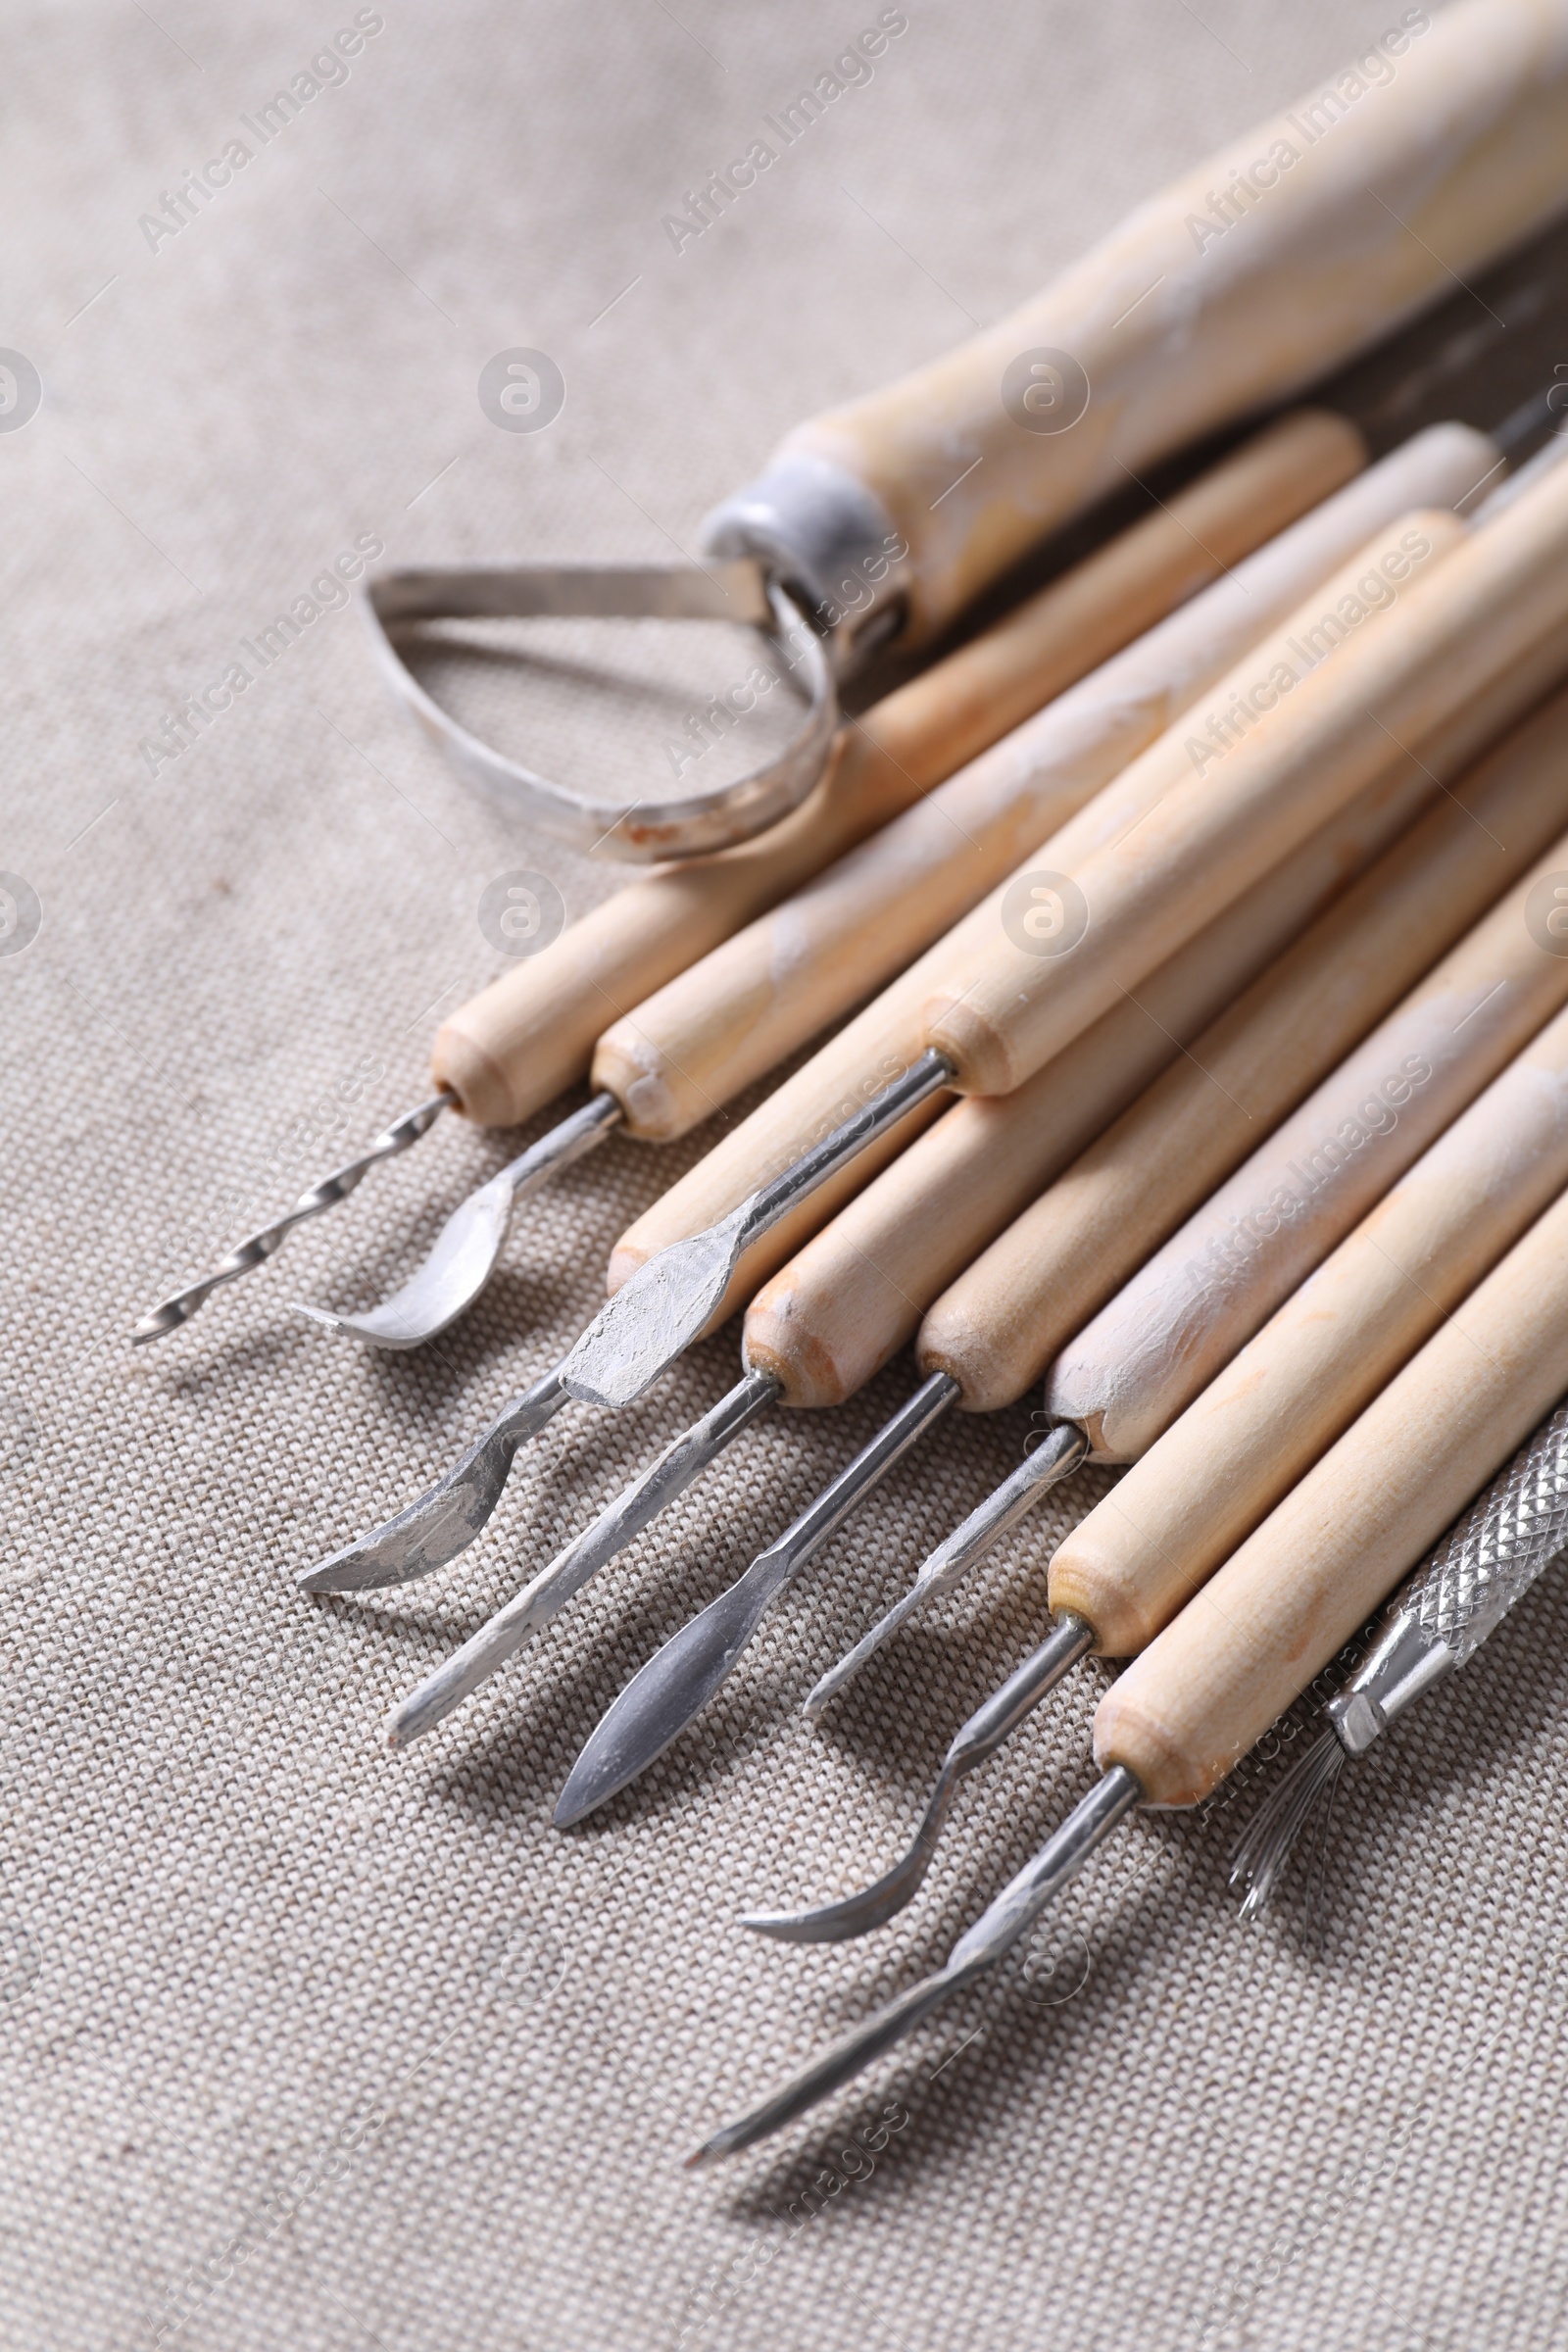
x: 643, y: 832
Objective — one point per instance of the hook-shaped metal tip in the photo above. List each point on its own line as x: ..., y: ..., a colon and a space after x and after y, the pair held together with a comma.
x: 448, y: 1516
x: 1016, y: 1909
x: 991, y: 1724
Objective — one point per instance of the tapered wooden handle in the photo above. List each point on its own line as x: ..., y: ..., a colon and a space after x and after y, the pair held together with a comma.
x: 1026, y: 1297
x: 1287, y: 249
x: 1273, y: 1616
x: 1240, y: 1447
x: 1401, y: 674
x: 854, y: 1294
x: 1147, y: 1354
x: 1173, y: 662
x: 734, y: 1015
x: 515, y: 1046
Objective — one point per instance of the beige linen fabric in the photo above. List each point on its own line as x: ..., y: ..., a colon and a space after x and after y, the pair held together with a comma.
x: 307, y: 2046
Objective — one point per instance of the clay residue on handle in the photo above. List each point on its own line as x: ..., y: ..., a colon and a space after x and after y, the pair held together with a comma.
x: 1267, y: 1416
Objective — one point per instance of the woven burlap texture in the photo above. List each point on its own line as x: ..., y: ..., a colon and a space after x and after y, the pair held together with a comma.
x: 307, y: 2045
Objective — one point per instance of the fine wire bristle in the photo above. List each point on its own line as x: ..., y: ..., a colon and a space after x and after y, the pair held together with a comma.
x: 1264, y: 1847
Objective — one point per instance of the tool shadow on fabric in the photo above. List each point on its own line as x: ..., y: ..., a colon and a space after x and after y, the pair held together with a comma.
x: 1462, y: 1744
x: 1007, y: 2038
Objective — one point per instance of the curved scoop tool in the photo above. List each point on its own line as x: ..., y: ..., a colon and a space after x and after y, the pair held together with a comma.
x: 647, y: 830
x: 992, y: 1722
x: 467, y: 1245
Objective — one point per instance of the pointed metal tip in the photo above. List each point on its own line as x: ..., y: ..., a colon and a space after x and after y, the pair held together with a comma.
x: 813, y: 1706
x: 157, y: 1324
x: 708, y: 2153
x: 570, y: 1809
x: 784, y: 1926
x: 323, y: 1315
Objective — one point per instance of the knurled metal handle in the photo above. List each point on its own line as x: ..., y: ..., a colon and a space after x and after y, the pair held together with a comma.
x: 1513, y: 1531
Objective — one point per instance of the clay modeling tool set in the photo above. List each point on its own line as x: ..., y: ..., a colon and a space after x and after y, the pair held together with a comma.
x: 1195, y: 925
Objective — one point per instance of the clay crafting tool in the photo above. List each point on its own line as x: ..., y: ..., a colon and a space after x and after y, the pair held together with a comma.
x: 1141, y: 1552
x: 785, y: 1329
x: 684, y: 1674
x: 1436, y: 1623
x: 1174, y: 1724
x: 1003, y: 1009
x: 1318, y: 246
x: 666, y: 1067
x: 1245, y: 280
x: 445, y: 1519
x: 1122, y: 1377
x: 500, y: 1057
x: 1116, y: 1055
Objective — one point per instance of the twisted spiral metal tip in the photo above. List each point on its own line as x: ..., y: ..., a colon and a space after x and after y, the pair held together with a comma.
x: 258, y: 1247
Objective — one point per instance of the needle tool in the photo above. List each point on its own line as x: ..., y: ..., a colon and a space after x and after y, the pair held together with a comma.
x: 1003, y: 1009
x: 1128, y: 1567
x: 1186, y: 1711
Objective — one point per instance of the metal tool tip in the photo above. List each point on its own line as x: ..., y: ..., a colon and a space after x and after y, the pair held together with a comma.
x: 321, y: 1315
x: 158, y: 1323
x: 785, y: 1927
x: 708, y: 2153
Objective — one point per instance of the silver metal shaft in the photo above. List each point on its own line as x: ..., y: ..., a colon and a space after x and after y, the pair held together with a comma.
x: 582, y: 1558
x: 259, y: 1247
x: 466, y: 1250
x: 1515, y: 1530
x: 1016, y: 1909
x: 678, y: 1681
x: 992, y: 1723
x: 1054, y: 1458
x: 670, y: 1301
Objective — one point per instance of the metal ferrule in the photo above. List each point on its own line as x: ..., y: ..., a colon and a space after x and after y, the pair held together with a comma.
x: 1409, y: 1658
x: 832, y: 544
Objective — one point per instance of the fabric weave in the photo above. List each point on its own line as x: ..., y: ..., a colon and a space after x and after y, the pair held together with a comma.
x: 306, y: 2044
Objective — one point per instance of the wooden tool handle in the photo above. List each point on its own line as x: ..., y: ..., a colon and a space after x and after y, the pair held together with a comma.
x: 1000, y: 1325
x: 854, y: 1294
x: 1286, y: 251
x: 1400, y: 675
x: 1193, y: 648
x: 532, y: 1032
x: 1252, y: 1639
x: 731, y: 1018
x: 1240, y: 1447
x: 1147, y: 1354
